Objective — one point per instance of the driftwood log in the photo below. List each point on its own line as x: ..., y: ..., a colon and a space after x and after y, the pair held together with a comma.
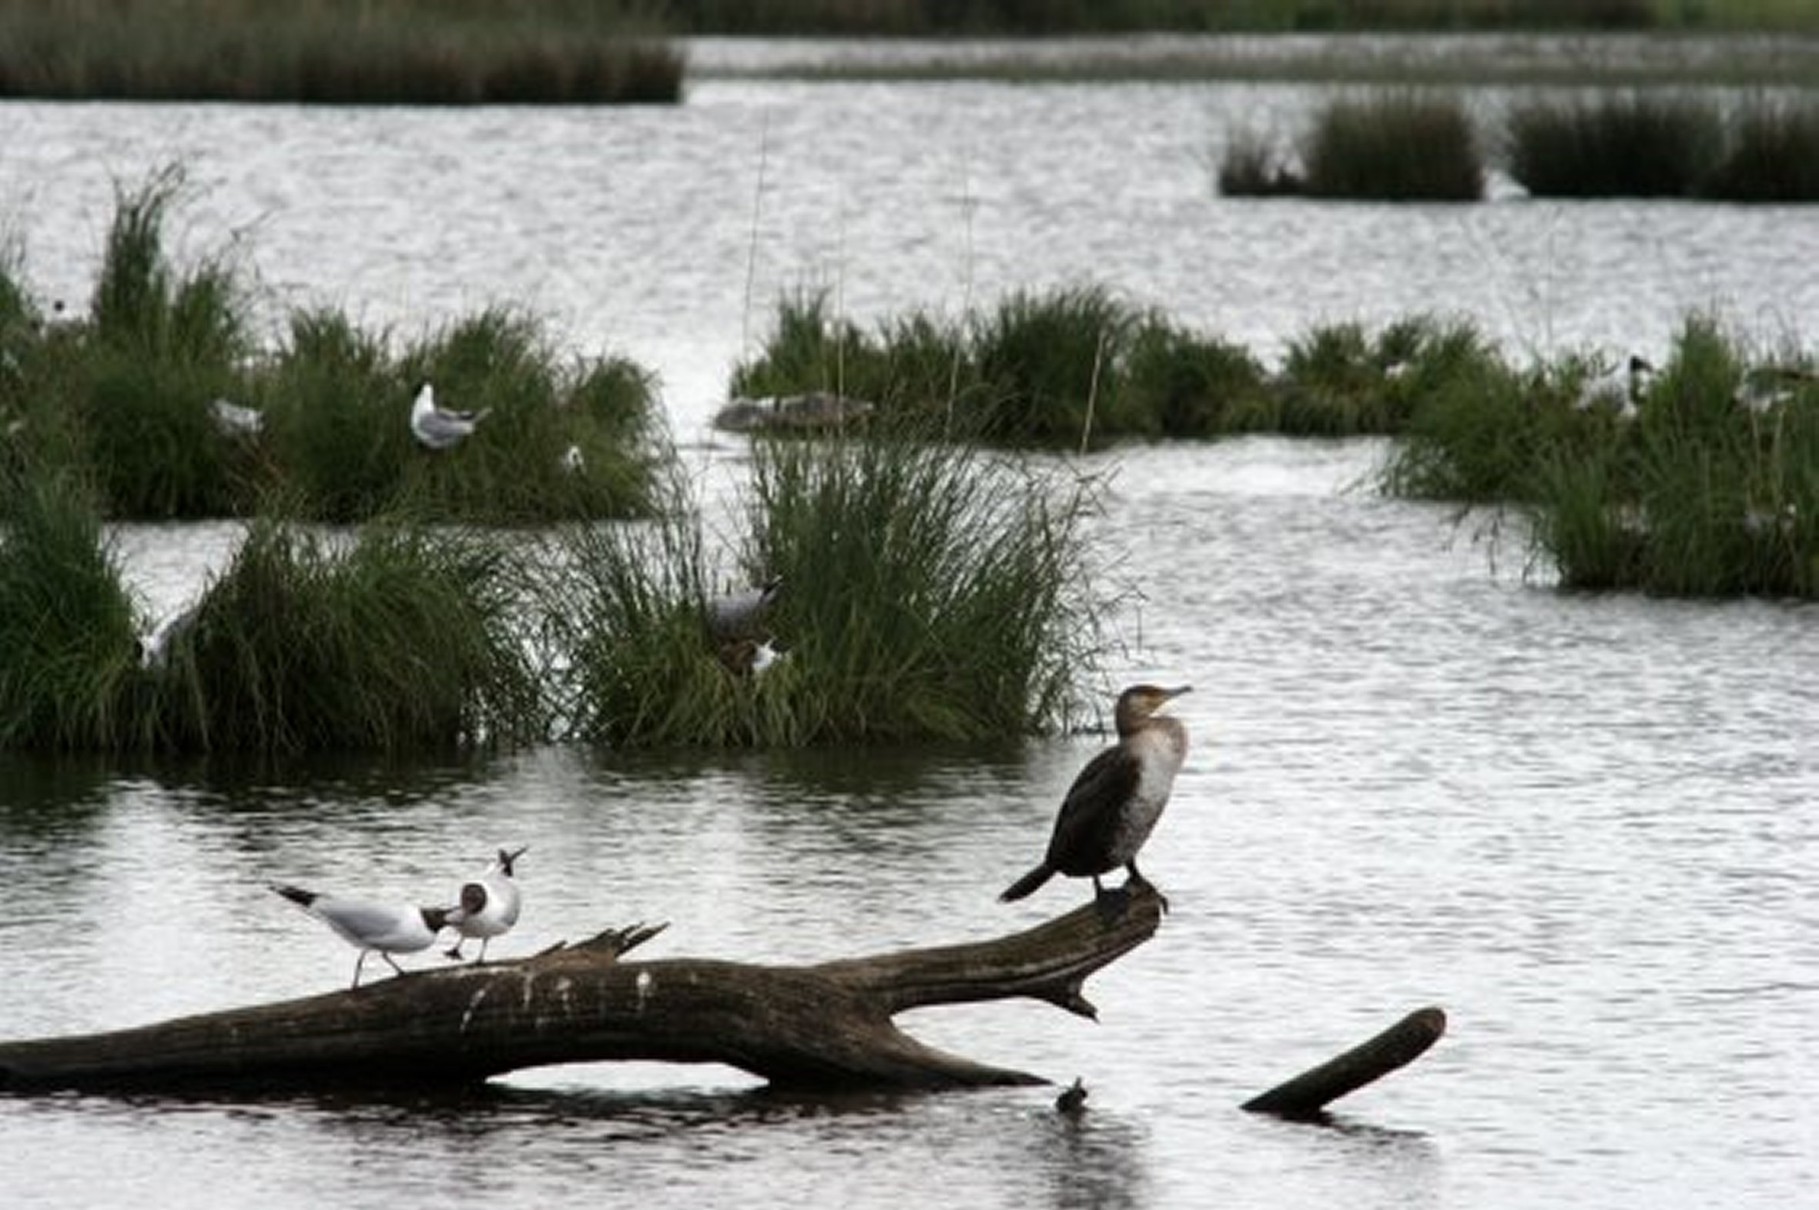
x: 826, y: 1025
x: 1308, y: 1094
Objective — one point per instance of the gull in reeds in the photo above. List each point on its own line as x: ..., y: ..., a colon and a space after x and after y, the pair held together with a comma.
x: 440, y: 428
x: 741, y: 615
x: 372, y: 928
x: 1618, y: 389
x: 751, y: 657
x: 1769, y: 388
x: 488, y: 906
x: 235, y: 420
x: 572, y: 461
x: 155, y: 651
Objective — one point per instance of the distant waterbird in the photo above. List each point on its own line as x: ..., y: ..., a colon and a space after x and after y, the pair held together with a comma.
x: 1766, y: 389
x: 744, y: 614
x: 488, y: 906
x: 155, y: 651
x: 372, y: 928
x: 1114, y: 803
x: 1620, y: 390
x: 572, y: 461
x: 438, y: 428
x: 234, y: 419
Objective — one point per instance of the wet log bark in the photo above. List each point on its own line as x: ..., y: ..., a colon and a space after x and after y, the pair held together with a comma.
x: 1309, y: 1093
x: 826, y: 1025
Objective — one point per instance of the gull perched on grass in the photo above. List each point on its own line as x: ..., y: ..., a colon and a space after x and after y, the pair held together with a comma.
x: 235, y: 420
x: 155, y: 652
x: 1620, y: 389
x: 372, y: 928
x: 439, y: 428
x: 488, y: 906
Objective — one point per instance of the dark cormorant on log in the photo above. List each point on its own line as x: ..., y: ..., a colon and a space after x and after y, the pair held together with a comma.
x: 1117, y: 799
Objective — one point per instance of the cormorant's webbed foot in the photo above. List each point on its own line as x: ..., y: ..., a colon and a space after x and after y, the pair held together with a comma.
x: 1138, y: 882
x: 453, y: 953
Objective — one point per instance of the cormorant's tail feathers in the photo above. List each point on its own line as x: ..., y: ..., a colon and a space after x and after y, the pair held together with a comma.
x: 1027, y: 884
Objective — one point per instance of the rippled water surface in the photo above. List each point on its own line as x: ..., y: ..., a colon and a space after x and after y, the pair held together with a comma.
x: 1584, y: 825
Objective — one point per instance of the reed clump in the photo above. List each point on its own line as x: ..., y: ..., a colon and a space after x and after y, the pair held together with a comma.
x: 1395, y: 146
x: 1631, y: 143
x: 928, y: 591
x: 1771, y: 153
x: 1077, y: 368
x: 135, y: 398
x: 1710, y: 493
x: 398, y: 638
x: 337, y: 51
x: 67, y: 626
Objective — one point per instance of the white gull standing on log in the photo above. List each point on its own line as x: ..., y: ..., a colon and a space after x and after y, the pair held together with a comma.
x: 488, y: 906
x: 372, y: 928
x: 440, y: 428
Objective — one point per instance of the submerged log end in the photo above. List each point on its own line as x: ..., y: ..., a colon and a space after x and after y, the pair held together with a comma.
x: 1308, y: 1094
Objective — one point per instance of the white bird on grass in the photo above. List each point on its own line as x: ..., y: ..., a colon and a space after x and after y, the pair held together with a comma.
x: 1620, y: 389
x: 372, y: 928
x: 439, y: 428
x: 235, y: 420
x: 155, y: 652
x: 572, y: 461
x: 488, y: 906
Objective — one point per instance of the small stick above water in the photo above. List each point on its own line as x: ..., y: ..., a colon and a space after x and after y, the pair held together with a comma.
x: 1309, y: 1093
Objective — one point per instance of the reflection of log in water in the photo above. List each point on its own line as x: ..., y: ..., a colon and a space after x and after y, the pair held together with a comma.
x: 828, y: 1025
x: 1309, y: 1093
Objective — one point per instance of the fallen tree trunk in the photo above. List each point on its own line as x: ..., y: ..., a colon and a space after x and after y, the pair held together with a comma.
x: 827, y: 1025
x: 1309, y: 1093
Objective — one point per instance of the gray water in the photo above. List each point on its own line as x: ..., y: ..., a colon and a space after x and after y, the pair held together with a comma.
x: 1584, y: 825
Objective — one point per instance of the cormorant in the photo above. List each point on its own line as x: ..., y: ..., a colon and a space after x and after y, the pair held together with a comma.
x: 488, y: 905
x: 372, y: 928
x: 1117, y: 799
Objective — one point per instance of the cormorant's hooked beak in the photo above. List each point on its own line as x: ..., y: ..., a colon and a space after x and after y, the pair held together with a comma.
x: 1169, y: 695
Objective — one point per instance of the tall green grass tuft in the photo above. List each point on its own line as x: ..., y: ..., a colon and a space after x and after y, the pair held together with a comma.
x: 162, y: 344
x: 68, y: 650
x: 1394, y: 146
x: 1623, y: 144
x: 929, y: 591
x: 398, y: 638
x: 1771, y: 153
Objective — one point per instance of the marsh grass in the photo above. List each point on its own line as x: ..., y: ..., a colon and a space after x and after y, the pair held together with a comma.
x: 341, y: 51
x: 398, y: 638
x: 1396, y: 146
x: 123, y: 398
x: 160, y: 343
x: 1771, y: 153
x: 931, y: 591
x: 1629, y: 143
x: 1254, y: 165
x: 1077, y: 368
x: 68, y: 648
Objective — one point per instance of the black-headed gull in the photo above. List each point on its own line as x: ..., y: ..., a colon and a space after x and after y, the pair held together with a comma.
x: 439, y: 428
x: 372, y: 928
x: 488, y: 906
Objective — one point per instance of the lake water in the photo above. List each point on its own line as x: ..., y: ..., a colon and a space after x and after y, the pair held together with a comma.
x: 1584, y: 825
